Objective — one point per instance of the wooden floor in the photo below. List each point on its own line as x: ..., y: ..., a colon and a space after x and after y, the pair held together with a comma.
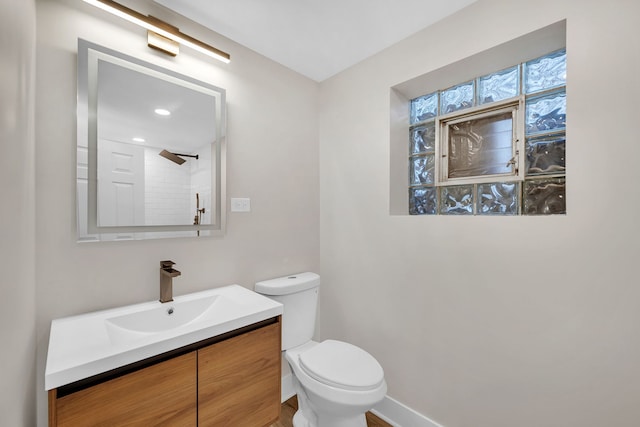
x: 291, y: 406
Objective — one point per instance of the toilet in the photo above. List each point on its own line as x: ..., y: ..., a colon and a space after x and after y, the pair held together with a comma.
x: 336, y: 382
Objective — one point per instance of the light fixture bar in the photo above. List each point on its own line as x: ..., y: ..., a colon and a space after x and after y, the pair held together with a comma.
x: 166, y: 30
x: 163, y: 44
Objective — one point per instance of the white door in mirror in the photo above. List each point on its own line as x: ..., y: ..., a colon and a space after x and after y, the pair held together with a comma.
x: 240, y: 204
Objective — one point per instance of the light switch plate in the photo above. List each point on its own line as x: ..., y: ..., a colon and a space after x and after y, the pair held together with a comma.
x: 240, y: 204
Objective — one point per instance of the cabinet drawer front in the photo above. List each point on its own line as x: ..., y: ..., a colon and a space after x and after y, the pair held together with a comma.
x: 159, y: 395
x: 239, y: 380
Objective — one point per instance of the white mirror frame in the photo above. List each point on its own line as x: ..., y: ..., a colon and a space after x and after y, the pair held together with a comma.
x: 86, y: 196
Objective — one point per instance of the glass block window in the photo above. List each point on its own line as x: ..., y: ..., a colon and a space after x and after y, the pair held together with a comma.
x: 546, y: 72
x: 494, y: 145
x: 425, y: 107
x: 422, y: 169
x: 499, y: 198
x: 457, y: 98
x: 498, y: 86
x: 545, y: 155
x: 422, y: 200
x: 423, y: 138
x: 544, y: 196
x: 456, y: 200
x: 546, y: 113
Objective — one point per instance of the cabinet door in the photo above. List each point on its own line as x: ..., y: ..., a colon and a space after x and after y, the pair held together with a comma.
x: 163, y: 394
x: 239, y: 380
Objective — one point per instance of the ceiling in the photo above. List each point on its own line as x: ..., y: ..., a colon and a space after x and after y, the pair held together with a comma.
x: 317, y: 38
x: 127, y: 98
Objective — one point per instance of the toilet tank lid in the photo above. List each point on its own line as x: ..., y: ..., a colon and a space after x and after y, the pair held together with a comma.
x: 288, y: 284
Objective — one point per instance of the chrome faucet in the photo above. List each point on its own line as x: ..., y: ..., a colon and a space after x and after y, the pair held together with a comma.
x: 167, y: 273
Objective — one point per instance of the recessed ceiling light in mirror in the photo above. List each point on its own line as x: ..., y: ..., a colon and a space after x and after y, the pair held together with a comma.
x: 137, y: 139
x: 162, y: 112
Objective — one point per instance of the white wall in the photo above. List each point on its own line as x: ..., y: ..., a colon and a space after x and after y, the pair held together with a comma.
x: 17, y: 212
x: 493, y: 322
x: 167, y: 190
x: 272, y: 157
x: 460, y: 340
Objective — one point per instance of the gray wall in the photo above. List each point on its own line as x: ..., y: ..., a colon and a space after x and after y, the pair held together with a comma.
x: 272, y: 158
x: 493, y: 322
x: 17, y: 211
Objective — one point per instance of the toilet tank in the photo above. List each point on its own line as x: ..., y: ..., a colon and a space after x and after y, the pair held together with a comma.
x: 298, y: 294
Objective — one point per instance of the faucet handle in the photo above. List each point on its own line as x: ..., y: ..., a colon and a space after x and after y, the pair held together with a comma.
x: 166, y: 264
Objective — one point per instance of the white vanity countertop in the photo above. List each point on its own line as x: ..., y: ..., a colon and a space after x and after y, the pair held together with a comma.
x: 89, y: 344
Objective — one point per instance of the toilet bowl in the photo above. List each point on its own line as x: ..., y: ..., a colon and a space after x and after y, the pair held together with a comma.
x: 336, y: 382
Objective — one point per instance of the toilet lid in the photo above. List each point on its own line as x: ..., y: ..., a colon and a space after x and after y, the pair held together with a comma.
x: 342, y: 365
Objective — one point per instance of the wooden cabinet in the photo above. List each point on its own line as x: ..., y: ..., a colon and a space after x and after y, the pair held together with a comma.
x: 163, y: 394
x: 238, y: 378
x: 227, y: 381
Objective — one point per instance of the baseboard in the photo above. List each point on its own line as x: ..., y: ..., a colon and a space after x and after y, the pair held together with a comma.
x: 399, y: 415
x: 287, y: 390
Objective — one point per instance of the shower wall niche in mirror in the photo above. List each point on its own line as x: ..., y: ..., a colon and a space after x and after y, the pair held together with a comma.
x: 151, y: 150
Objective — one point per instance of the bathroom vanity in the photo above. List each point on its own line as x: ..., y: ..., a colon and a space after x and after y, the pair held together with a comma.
x: 217, y: 365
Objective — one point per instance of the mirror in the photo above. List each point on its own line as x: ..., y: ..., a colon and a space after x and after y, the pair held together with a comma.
x: 151, y: 150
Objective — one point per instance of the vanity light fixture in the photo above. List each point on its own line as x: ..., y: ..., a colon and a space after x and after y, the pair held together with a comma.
x: 161, y: 29
x: 163, y: 44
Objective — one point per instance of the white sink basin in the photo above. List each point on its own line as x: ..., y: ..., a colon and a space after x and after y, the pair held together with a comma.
x: 167, y: 316
x: 89, y: 344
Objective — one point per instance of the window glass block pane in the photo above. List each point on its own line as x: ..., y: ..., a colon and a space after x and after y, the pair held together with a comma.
x: 422, y: 201
x: 423, y: 138
x: 457, y: 98
x: 546, y: 72
x: 544, y: 197
x: 546, y: 113
x: 481, y: 146
x: 545, y: 155
x: 456, y: 200
x: 423, y: 108
x: 498, y: 198
x: 423, y: 169
x: 498, y: 86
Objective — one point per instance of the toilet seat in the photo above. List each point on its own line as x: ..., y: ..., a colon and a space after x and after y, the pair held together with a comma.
x: 342, y: 365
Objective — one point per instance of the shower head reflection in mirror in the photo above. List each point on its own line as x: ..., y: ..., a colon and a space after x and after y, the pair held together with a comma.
x: 119, y: 193
x: 177, y: 157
